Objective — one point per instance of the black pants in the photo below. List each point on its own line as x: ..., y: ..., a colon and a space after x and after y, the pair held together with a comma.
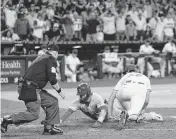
x: 109, y: 37
x: 48, y: 102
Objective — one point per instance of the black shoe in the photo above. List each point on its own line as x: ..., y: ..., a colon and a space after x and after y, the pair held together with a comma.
x: 6, y: 121
x: 53, y: 131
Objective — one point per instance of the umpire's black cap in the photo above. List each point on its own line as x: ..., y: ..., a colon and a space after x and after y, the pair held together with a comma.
x: 53, y: 47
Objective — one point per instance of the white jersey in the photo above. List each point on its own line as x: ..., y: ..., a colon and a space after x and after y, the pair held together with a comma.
x: 133, y: 77
x: 77, y: 24
x: 168, y: 27
x: 169, y: 48
x: 72, y: 61
x: 111, y: 57
x: 38, y: 32
x: 96, y: 103
x: 146, y: 49
x: 109, y: 25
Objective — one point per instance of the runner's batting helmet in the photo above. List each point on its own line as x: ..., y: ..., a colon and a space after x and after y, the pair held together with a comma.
x: 84, y: 89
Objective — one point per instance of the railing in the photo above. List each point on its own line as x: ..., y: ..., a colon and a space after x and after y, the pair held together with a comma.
x: 88, y: 50
x: 15, y: 66
x: 135, y: 55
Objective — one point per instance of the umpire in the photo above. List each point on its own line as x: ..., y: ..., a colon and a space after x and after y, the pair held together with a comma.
x: 30, y: 89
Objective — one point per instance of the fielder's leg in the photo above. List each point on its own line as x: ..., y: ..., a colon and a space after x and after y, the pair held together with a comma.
x: 138, y: 103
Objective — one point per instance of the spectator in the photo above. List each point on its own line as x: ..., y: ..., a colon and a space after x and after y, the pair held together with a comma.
x: 80, y: 5
x: 109, y: 4
x: 120, y: 25
x: 72, y: 62
x: 10, y: 14
x: 169, y: 26
x: 50, y: 11
x: 133, y: 12
x: 140, y: 26
x: 43, y: 11
x: 22, y: 27
x: 92, y: 24
x: 106, y: 61
x: 131, y: 31
x: 68, y: 26
x: 142, y: 11
x: 28, y: 3
x: 15, y: 36
x: 94, y: 74
x: 3, y: 22
x: 112, y: 64
x: 108, y: 21
x: 149, y: 9
x: 32, y: 16
x: 91, y: 5
x: 148, y: 33
x: 18, y: 49
x: 169, y: 50
x: 39, y: 26
x: 96, y: 3
x: 153, y: 22
x: 129, y: 58
x: 158, y: 34
x: 146, y: 49
x: 77, y: 23
x: 53, y: 34
x: 99, y: 34
x: 7, y: 36
x: 83, y: 75
x: 86, y: 16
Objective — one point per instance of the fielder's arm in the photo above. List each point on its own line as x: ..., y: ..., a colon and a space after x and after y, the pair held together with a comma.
x: 111, y: 102
x: 147, y: 99
x: 149, y: 89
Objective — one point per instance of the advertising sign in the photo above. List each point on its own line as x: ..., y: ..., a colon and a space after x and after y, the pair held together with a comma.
x: 12, y: 68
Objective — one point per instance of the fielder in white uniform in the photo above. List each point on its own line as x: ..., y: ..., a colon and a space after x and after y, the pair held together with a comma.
x: 132, y: 93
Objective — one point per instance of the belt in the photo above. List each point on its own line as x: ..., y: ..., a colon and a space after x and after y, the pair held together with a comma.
x: 27, y: 82
x: 129, y: 81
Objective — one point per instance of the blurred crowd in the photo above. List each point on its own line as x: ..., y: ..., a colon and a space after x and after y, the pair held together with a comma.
x: 87, y: 20
x: 94, y: 21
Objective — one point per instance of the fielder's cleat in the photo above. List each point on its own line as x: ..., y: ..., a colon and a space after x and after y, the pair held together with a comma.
x: 53, y: 131
x: 123, y: 119
x: 6, y: 121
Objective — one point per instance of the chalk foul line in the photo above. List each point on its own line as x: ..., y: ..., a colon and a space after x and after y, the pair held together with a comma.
x: 155, y: 129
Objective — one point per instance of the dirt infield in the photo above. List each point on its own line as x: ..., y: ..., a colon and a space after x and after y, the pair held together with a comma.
x: 78, y: 126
